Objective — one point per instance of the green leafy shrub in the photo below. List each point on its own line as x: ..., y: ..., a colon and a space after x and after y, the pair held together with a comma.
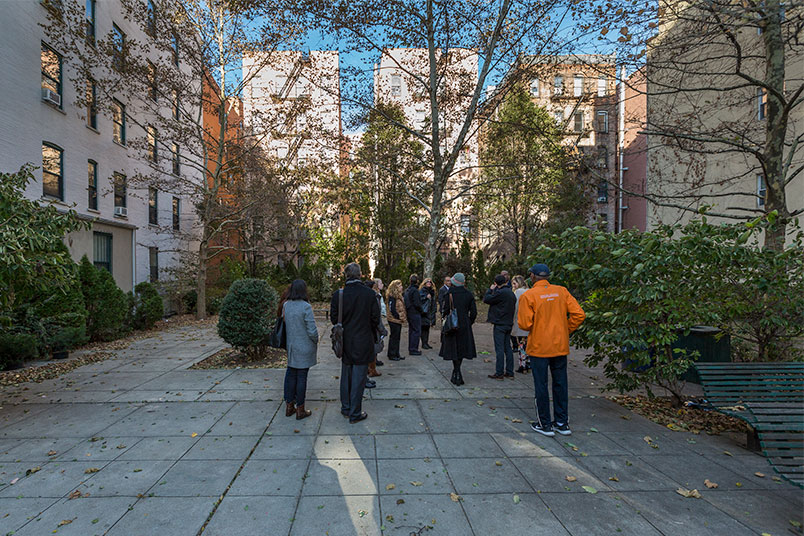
x: 215, y: 296
x: 189, y: 299
x: 15, y: 348
x: 247, y: 316
x: 107, y: 306
x: 148, y: 306
x: 67, y: 338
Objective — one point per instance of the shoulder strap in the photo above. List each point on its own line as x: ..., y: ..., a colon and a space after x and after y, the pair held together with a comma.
x: 340, y: 307
x: 451, y: 305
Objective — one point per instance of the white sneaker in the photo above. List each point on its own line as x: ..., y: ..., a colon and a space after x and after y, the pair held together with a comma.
x: 544, y: 430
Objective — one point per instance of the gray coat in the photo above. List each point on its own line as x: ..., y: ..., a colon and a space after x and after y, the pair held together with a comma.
x: 302, y: 334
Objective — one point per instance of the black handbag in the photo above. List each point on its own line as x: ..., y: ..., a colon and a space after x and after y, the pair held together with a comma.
x: 450, y: 324
x: 336, y: 335
x: 279, y: 337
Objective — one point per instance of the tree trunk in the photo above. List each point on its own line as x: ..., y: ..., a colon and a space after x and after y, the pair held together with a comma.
x: 776, y: 127
x: 201, y: 282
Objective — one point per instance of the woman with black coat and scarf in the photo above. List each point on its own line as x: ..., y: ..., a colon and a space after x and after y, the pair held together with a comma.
x: 460, y: 344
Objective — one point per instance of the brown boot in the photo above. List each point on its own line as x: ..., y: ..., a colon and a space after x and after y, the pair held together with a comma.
x: 290, y: 409
x: 372, y: 370
x: 302, y: 413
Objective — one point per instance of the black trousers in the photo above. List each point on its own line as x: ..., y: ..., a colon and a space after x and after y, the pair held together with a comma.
x: 353, y: 383
x: 393, y: 340
x: 414, y: 332
x: 426, y: 335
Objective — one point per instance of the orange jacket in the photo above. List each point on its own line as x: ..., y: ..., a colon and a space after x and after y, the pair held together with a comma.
x: 549, y: 314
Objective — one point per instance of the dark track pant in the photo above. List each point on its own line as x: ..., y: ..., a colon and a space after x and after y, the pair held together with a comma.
x: 558, y: 370
x: 296, y: 385
x: 414, y: 332
x: 393, y: 340
x: 425, y: 335
x: 353, y: 383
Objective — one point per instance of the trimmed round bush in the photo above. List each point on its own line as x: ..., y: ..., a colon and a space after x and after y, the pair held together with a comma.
x: 107, y: 305
x: 148, y: 306
x: 16, y: 348
x: 247, y: 316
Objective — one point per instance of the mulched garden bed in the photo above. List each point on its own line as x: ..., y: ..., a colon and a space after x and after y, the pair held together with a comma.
x: 685, y: 419
x: 229, y: 358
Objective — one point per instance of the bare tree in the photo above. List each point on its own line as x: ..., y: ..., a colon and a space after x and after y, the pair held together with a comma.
x: 725, y: 88
x: 179, y: 73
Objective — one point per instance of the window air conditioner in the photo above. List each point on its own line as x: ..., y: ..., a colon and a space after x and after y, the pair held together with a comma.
x: 121, y: 211
x: 51, y: 96
x: 603, y: 199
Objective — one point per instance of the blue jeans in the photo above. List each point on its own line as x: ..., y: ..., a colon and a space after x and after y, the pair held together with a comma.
x: 502, y: 347
x: 558, y: 370
x: 296, y: 385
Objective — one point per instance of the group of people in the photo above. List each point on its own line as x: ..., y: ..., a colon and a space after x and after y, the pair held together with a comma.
x: 533, y: 323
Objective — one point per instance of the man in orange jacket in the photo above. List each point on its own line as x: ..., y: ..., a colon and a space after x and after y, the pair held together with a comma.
x: 549, y: 313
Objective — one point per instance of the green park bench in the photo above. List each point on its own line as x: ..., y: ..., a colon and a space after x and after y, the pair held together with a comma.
x: 770, y: 398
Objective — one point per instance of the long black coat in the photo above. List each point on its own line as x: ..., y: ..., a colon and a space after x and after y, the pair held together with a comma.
x: 361, y: 321
x: 460, y: 344
x: 428, y: 306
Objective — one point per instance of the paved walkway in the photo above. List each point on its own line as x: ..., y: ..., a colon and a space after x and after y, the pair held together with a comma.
x: 151, y: 447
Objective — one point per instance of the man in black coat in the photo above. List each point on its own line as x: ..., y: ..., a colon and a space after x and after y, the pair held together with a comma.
x: 361, y: 320
x: 442, y: 294
x: 502, y: 305
x: 413, y: 308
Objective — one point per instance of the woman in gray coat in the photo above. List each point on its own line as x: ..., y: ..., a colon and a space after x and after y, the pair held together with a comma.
x: 302, y: 345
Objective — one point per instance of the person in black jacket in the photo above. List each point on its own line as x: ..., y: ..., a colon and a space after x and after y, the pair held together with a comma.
x: 361, y: 321
x: 502, y: 304
x: 413, y: 307
x: 460, y: 344
x: 427, y: 295
x: 442, y: 293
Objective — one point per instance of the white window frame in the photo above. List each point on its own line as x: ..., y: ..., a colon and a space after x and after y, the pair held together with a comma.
x: 577, y: 85
x: 604, y: 116
x: 558, y: 85
x: 396, y: 85
x: 602, y: 86
x: 762, y: 191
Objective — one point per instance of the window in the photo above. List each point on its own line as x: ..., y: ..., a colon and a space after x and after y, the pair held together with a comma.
x: 174, y: 152
x: 89, y: 10
x: 420, y: 118
x: 51, y: 75
x: 151, y: 28
x: 92, y: 104
x: 577, y: 86
x: 396, y: 85
x: 558, y: 85
x: 466, y: 223
x: 762, y: 191
x: 153, y: 262
x: 578, y: 118
x: 119, y: 122
x: 602, y: 86
x: 102, y: 250
x: 603, y: 192
x: 559, y: 115
x: 175, y: 46
x: 52, y: 171
x: 119, y: 43
x: 153, y: 206
x: 176, y: 213
x: 534, y: 87
x: 603, y: 122
x: 175, y: 105
x: 92, y: 184
x: 603, y: 157
x: 762, y: 103
x: 119, y: 189
x: 150, y: 134
x: 153, y: 90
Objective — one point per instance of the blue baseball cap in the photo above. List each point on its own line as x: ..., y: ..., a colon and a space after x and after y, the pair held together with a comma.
x: 540, y: 270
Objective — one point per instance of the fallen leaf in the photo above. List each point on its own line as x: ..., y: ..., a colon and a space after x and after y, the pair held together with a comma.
x: 14, y: 481
x: 400, y: 501
x: 709, y: 484
x: 738, y: 484
x: 389, y: 487
x: 727, y: 453
x: 296, y: 431
x: 498, y: 463
x: 362, y: 513
x: 416, y: 483
x: 589, y: 489
x: 194, y: 434
x: 593, y: 430
x: 91, y: 470
x: 690, y: 494
x: 647, y: 439
x: 399, y: 406
x: 571, y: 479
x: 455, y: 497
x: 516, y: 420
x: 760, y: 475
x: 516, y: 499
x: 614, y: 479
x: 389, y: 518
x: 52, y: 453
x: 65, y: 522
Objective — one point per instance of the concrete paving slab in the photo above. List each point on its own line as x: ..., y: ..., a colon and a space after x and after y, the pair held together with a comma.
x: 185, y: 380
x: 343, y: 447
x: 281, y: 425
x: 15, y: 512
x: 244, y: 418
x: 157, y: 396
x: 196, y: 478
x: 125, y: 478
x: 90, y: 516
x: 159, y: 448
x: 37, y: 450
x: 632, y: 473
x: 603, y: 514
x: 413, y: 477
x: 529, y: 444
x: 395, y: 446
x: 161, y: 512
x: 550, y: 474
x: 99, y: 449
x: 353, y: 515
x: 467, y: 446
x: 67, y: 420
x: 762, y: 512
x: 341, y: 477
x: 493, y: 514
x: 221, y: 448
x: 53, y: 479
x: 248, y: 395
x: 165, y: 419
x: 484, y: 475
x: 299, y: 447
x: 251, y: 516
x: 691, y: 471
x: 270, y: 478
x: 425, y: 514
